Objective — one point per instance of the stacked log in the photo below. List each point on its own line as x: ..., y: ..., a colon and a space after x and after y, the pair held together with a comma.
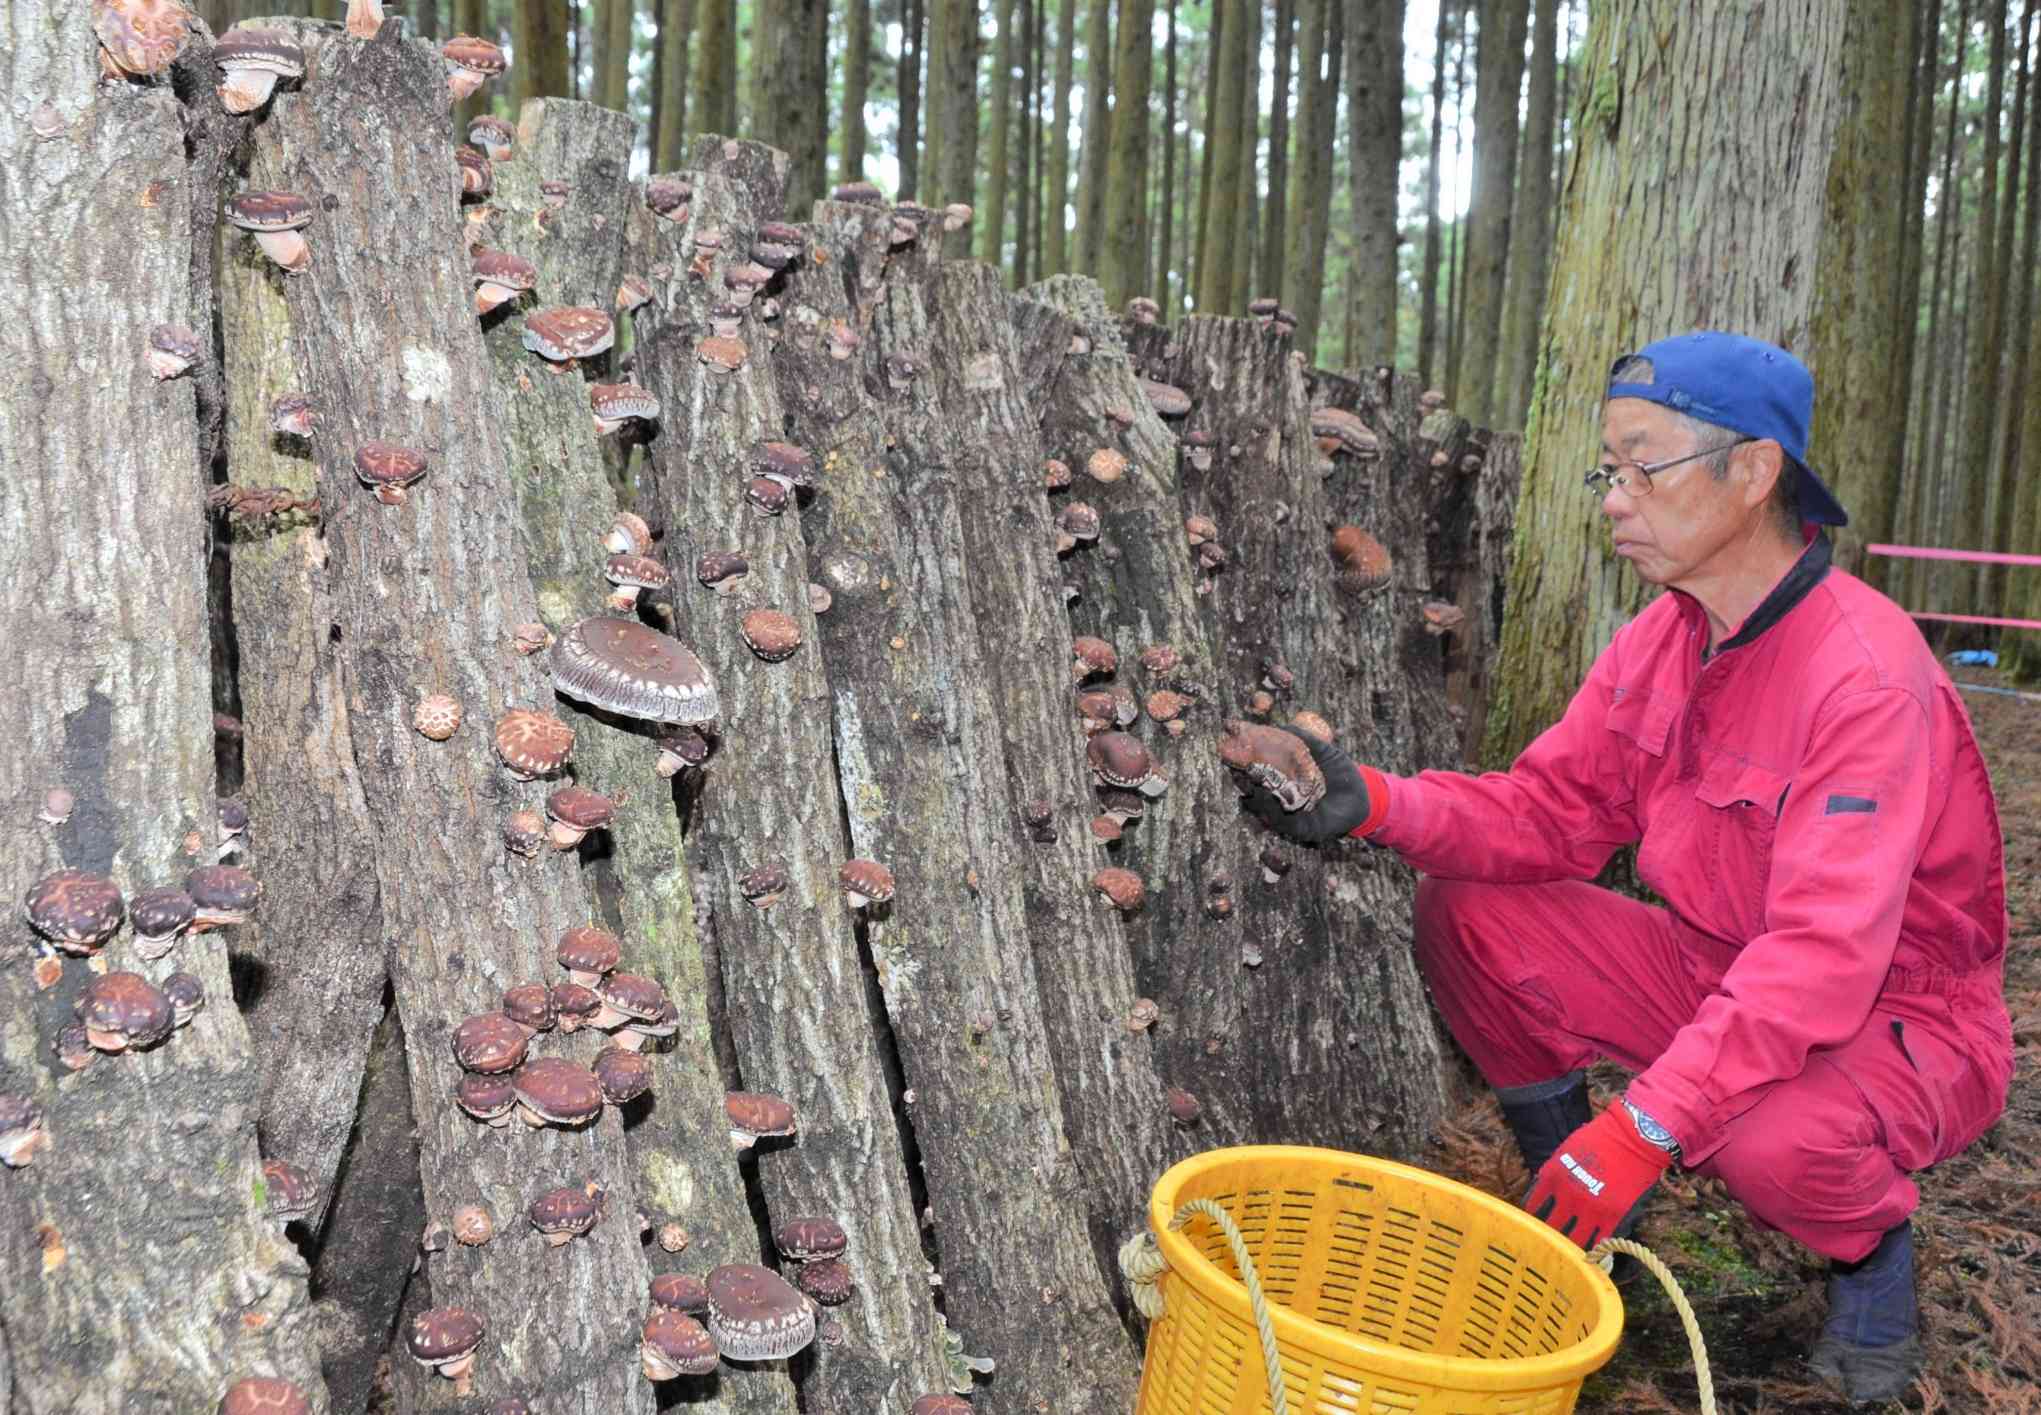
x: 935, y: 662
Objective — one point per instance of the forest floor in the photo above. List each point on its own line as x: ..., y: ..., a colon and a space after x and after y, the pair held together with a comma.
x: 1760, y: 1297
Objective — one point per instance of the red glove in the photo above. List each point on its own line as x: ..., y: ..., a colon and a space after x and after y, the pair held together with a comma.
x: 1596, y: 1176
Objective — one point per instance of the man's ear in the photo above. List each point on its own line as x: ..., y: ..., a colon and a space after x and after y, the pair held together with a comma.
x: 1762, y: 462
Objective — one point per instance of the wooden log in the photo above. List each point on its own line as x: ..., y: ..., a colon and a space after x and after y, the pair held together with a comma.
x: 1317, y: 1032
x: 138, y: 1265
x: 426, y: 597
x: 791, y: 974
x: 678, y: 1137
x: 978, y: 578
x: 759, y: 171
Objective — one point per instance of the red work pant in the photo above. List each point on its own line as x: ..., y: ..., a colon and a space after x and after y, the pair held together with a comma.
x: 1537, y: 980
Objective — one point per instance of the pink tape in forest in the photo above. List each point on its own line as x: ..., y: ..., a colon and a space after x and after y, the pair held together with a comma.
x: 1976, y: 619
x: 1922, y: 552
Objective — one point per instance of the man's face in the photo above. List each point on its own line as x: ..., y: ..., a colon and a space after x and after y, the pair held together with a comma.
x: 1688, y: 515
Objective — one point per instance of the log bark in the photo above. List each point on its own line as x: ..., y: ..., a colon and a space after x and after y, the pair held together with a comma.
x: 1313, y: 1028
x: 138, y: 1266
x: 311, y: 1011
x: 425, y: 597
x: 678, y: 1139
x: 968, y: 1013
x: 791, y: 974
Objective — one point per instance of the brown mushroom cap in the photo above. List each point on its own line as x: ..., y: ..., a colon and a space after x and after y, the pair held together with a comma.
x: 613, y: 402
x: 533, y: 743
x: 558, y: 1091
x: 721, y: 570
x: 665, y: 196
x: 580, y: 808
x: 574, y: 1004
x: 1166, y: 398
x: 440, y: 1336
x: 1362, y: 562
x: 783, y: 460
x: 269, y: 211
x: 805, y: 1240
x: 633, y: 669
x: 623, y: 1074
x: 756, y: 1315
x: 119, y: 1010
x: 563, y: 332
x: 467, y: 51
x: 1119, y: 759
x: 264, y: 1395
x: 940, y: 1405
x: 1274, y: 760
x: 1107, y: 464
x: 755, y: 1113
x: 385, y: 464
x: 588, y: 951
x: 74, y: 909
x: 288, y: 1191
x: 827, y: 1281
x: 565, y: 1211
x: 489, y: 1042
x: 488, y: 130
x: 868, y: 879
x: 187, y: 995
x: 771, y: 634
x: 485, y: 1097
x: 637, y: 998
x: 680, y: 1292
x: 142, y: 37
x: 513, y: 272
x: 637, y: 571
x: 1311, y: 725
x: 675, y: 1344
x: 1345, y: 429
x: 1122, y: 888
x: 1093, y: 657
x: 723, y: 353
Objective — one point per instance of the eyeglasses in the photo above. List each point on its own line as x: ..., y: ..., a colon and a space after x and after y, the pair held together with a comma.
x: 1618, y: 476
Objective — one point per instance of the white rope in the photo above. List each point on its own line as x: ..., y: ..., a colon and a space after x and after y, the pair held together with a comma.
x: 1142, y: 1264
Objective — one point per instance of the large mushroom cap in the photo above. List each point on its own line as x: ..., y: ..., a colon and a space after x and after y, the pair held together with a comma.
x: 222, y: 894
x: 264, y: 1395
x: 489, y: 1042
x: 613, y: 402
x: 586, y: 949
x: 558, y: 1091
x: 120, y: 1010
x: 565, y: 1211
x: 512, y: 272
x: 1274, y: 760
x: 1344, y: 430
x: 263, y: 50
x: 1119, y: 759
x: 1122, y: 888
x: 142, y: 37
x: 636, y: 997
x: 74, y: 907
x: 1361, y: 562
x: 756, y: 1315
x: 804, y: 1240
x: 828, y: 1281
x: 565, y: 332
x: 269, y: 211
x: 533, y: 743
x: 466, y: 51
x: 637, y: 571
x: 580, y: 807
x: 623, y: 1074
x: 633, y: 669
x: 680, y: 1292
x: 485, y: 1097
x: 754, y: 1113
x: 387, y: 464
x: 865, y: 882
x: 676, y: 1344
x: 772, y: 634
x: 439, y: 1336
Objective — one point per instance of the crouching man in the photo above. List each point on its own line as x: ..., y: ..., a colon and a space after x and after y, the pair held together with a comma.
x: 1817, y: 1012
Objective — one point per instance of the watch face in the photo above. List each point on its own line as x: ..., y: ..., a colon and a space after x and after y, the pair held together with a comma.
x: 1650, y: 1129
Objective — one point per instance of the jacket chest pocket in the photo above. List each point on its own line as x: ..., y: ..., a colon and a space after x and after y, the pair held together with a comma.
x: 1737, y: 824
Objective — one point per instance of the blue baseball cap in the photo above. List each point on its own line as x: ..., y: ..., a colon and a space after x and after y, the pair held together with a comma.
x: 1742, y: 384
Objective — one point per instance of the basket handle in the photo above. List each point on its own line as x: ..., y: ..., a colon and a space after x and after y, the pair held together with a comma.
x: 1142, y: 1263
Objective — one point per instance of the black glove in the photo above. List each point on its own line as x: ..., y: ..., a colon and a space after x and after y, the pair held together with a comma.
x: 1344, y: 806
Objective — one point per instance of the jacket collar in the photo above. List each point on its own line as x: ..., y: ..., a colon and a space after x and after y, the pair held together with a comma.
x: 1807, y: 572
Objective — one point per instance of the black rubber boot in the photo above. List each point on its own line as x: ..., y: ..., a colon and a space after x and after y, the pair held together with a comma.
x: 1870, y: 1345
x: 1541, y: 1116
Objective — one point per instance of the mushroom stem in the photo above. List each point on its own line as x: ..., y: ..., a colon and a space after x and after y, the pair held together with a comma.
x: 531, y: 1117
x: 286, y: 248
x: 488, y: 295
x: 391, y: 495
x: 246, y: 90
x: 364, y: 18
x: 624, y: 598
x: 629, y: 1040
x: 565, y: 836
x: 461, y: 82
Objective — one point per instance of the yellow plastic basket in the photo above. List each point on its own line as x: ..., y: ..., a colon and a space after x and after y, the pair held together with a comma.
x: 1390, y: 1289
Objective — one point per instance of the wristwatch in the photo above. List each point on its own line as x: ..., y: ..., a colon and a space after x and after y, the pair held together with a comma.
x: 1652, y: 1132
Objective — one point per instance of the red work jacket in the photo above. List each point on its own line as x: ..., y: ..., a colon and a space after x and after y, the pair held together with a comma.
x: 1810, y: 796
